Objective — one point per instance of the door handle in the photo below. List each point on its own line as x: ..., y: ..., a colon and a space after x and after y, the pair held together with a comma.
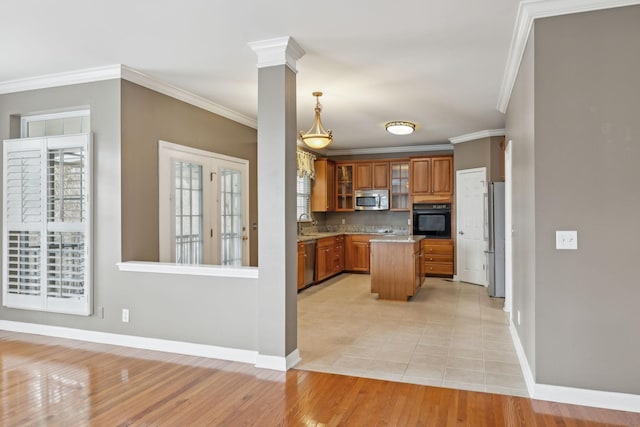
x: 461, y: 232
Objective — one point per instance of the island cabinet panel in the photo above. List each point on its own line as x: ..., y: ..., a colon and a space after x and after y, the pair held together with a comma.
x: 323, y: 187
x: 301, y: 265
x: 437, y: 257
x: 395, y: 269
x: 329, y: 257
x: 357, y: 252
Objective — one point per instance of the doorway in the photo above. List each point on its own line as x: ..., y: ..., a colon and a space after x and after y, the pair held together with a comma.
x: 471, y: 225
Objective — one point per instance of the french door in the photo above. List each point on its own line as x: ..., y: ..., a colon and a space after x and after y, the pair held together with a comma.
x: 203, y: 207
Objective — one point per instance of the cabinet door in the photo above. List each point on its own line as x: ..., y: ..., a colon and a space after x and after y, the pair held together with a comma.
x: 400, y: 186
x: 442, y: 173
x: 344, y: 183
x: 421, y: 176
x: 361, y: 254
x: 301, y: 265
x: 363, y: 176
x: 380, y: 175
x: 323, y: 188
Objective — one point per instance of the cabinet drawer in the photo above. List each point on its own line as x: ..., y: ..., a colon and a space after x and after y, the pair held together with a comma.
x: 429, y: 257
x: 438, y: 268
x: 437, y: 249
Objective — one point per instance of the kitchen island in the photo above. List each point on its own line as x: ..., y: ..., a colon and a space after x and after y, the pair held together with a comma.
x: 396, y: 266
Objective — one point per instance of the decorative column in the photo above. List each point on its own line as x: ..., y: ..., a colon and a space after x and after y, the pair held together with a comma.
x: 277, y: 249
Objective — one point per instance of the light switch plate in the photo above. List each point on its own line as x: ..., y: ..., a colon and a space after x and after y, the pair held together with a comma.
x: 567, y: 240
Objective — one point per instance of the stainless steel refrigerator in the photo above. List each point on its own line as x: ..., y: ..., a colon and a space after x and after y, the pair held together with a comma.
x: 495, y: 251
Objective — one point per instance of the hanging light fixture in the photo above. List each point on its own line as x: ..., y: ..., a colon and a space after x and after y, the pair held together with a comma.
x: 317, y: 137
x: 400, y: 127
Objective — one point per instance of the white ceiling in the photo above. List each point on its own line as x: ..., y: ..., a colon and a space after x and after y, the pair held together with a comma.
x: 438, y: 63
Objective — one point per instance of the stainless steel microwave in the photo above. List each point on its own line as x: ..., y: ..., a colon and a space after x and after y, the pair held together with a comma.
x: 372, y: 200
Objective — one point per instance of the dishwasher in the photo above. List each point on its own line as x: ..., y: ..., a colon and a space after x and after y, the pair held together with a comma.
x: 309, y: 261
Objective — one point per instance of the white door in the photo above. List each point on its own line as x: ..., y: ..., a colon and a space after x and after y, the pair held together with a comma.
x: 233, y: 235
x: 471, y: 201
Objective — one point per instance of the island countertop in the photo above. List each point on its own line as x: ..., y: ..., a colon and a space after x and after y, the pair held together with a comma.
x: 396, y: 239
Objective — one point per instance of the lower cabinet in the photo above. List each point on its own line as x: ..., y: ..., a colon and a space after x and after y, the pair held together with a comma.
x: 357, y: 250
x: 329, y: 257
x: 301, y: 265
x: 396, y: 269
x: 437, y: 257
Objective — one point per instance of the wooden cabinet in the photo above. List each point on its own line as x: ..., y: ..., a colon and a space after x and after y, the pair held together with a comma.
x: 374, y: 175
x: 437, y: 257
x: 432, y: 176
x: 323, y: 188
x: 301, y: 265
x: 329, y: 257
x: 357, y: 252
x: 395, y: 269
x: 344, y: 191
x: 399, y: 186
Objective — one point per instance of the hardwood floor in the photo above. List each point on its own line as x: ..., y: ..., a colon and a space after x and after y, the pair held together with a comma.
x: 49, y: 381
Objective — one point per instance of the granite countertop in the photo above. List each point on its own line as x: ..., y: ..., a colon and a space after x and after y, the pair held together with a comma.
x: 383, y: 236
x: 396, y: 239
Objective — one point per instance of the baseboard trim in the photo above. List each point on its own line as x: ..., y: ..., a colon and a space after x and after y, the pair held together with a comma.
x: 293, y: 359
x: 145, y: 343
x: 522, y: 357
x: 571, y: 395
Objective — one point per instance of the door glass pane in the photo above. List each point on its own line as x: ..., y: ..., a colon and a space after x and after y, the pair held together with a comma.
x: 231, y: 232
x: 188, y: 200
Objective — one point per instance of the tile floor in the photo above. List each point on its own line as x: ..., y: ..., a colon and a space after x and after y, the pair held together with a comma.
x: 451, y: 334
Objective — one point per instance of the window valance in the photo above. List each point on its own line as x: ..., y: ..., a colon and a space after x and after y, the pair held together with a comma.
x: 305, y: 164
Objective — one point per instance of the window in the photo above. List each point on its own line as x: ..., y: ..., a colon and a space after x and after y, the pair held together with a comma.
x: 46, y: 216
x: 52, y: 124
x: 303, y: 190
x: 204, y: 201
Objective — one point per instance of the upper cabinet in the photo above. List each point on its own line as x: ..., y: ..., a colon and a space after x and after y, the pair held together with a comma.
x: 371, y: 176
x: 399, y: 186
x: 344, y: 180
x: 432, y: 176
x: 323, y: 188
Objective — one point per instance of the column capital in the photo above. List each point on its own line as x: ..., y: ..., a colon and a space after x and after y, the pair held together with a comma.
x: 278, y: 51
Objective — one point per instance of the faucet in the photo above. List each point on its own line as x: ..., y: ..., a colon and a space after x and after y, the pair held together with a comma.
x: 300, y: 224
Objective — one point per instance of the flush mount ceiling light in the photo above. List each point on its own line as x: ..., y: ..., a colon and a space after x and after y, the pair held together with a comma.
x: 400, y: 127
x: 317, y: 137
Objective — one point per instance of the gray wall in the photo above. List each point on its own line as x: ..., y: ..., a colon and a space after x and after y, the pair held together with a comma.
x: 149, y: 116
x: 205, y: 310
x: 520, y: 130
x: 587, y: 151
x: 484, y: 152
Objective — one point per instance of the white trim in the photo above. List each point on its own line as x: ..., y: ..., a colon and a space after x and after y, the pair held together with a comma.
x: 120, y: 71
x: 155, y: 344
x: 528, y: 11
x: 189, y: 270
x: 278, y: 363
x: 477, y: 135
x: 584, y: 397
x: 278, y: 51
x: 571, y: 395
x: 190, y: 150
x: 522, y: 357
x: 384, y: 150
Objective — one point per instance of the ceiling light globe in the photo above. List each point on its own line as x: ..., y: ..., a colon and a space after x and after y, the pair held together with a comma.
x: 400, y: 127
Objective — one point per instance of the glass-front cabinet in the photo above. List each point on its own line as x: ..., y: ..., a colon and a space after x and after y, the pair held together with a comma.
x: 344, y: 181
x: 399, y: 186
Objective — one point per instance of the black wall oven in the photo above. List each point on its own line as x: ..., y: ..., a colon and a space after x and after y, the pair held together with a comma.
x: 432, y: 220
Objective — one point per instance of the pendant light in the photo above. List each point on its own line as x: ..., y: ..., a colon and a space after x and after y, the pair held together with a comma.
x: 317, y: 137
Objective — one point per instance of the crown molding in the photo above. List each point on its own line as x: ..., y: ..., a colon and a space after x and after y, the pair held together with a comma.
x: 119, y: 71
x: 477, y: 135
x: 278, y: 51
x: 387, y: 150
x: 528, y: 11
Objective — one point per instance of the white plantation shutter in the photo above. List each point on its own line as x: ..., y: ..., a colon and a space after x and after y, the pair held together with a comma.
x: 303, y: 200
x: 47, y: 215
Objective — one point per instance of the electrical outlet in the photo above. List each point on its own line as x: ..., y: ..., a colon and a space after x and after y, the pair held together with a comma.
x: 125, y: 315
x: 518, y: 317
x: 344, y: 221
x: 409, y: 221
x: 566, y: 240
